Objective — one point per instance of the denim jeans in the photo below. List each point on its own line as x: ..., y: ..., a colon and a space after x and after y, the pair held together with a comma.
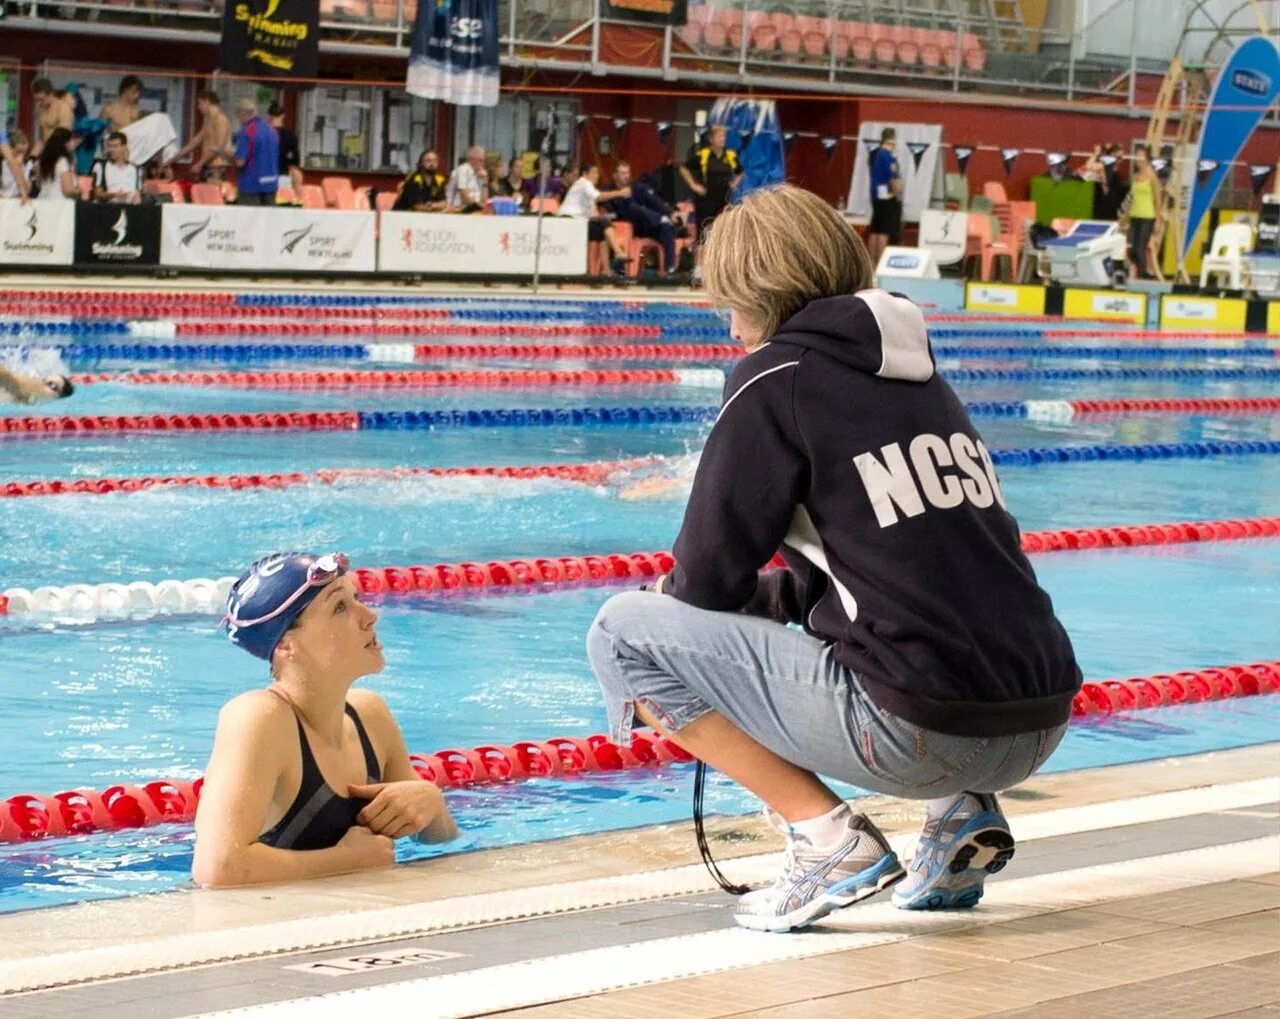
x: 785, y: 689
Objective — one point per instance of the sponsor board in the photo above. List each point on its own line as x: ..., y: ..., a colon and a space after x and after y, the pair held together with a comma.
x: 943, y: 233
x: 322, y: 240
x: 1110, y: 305
x: 38, y: 233
x: 213, y: 236
x: 1214, y: 314
x: 1273, y: 318
x: 117, y: 234
x: 480, y: 245
x: 1014, y: 298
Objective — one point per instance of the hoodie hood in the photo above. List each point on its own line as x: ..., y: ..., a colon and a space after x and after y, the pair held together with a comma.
x: 872, y: 331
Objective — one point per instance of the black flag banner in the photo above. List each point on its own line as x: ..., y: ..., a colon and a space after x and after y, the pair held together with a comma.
x: 1009, y: 157
x: 963, y: 154
x: 1161, y: 167
x: 664, y: 131
x: 270, y: 38
x: 872, y: 145
x: 1055, y: 159
x: 1259, y: 175
x: 829, y: 143
x: 917, y: 150
x: 620, y: 126
x: 1204, y: 170
x: 579, y: 122
x: 788, y: 141
x: 744, y: 139
x: 651, y: 12
x: 1108, y: 160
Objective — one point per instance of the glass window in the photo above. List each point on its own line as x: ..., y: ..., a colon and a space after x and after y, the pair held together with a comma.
x: 403, y: 126
x: 334, y: 128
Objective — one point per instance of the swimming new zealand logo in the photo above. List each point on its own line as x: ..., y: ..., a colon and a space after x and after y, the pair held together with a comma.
x: 28, y: 245
x: 188, y: 232
x: 117, y: 250
x: 292, y: 238
x: 33, y: 225
x: 1253, y: 82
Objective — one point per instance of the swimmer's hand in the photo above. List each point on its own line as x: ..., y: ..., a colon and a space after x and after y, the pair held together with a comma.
x: 368, y: 851
x: 399, y: 809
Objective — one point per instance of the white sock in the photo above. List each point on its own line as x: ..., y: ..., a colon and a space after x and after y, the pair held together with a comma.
x: 827, y: 830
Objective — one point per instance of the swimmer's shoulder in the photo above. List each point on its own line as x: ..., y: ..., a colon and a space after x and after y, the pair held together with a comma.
x: 255, y: 714
x: 371, y: 708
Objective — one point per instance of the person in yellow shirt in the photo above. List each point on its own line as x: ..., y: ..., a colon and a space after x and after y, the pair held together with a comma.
x: 1141, y: 209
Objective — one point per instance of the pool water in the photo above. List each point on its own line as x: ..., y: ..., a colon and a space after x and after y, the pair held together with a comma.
x: 135, y: 700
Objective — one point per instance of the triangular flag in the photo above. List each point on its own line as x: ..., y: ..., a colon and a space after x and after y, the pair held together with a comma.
x: 1259, y: 174
x: 917, y: 150
x: 1161, y: 167
x: 829, y: 144
x: 1204, y: 170
x: 744, y: 139
x: 788, y: 141
x: 1108, y: 160
x: 1009, y: 156
x: 871, y: 144
x: 620, y: 126
x: 963, y: 152
x: 703, y: 135
x: 579, y: 121
x: 1055, y: 159
x: 664, y: 131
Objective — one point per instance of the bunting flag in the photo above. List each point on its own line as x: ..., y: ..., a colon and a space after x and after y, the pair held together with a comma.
x: 963, y: 152
x: 1161, y: 167
x: 1259, y: 175
x: 871, y: 144
x: 620, y: 127
x: 1108, y: 160
x: 1009, y: 157
x: 829, y: 143
x: 744, y: 139
x: 1055, y: 159
x: 664, y: 131
x: 1204, y: 170
x: 788, y: 141
x: 579, y: 121
x: 917, y: 150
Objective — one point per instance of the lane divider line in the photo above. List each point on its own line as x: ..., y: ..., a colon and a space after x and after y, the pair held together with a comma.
x: 705, y: 378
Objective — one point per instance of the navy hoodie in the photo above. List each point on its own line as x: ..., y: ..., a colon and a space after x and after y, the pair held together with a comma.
x: 839, y: 445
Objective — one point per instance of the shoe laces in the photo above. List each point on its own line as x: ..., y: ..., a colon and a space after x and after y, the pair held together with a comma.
x: 791, y: 851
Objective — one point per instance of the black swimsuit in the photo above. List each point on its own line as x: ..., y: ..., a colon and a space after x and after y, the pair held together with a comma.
x: 318, y: 816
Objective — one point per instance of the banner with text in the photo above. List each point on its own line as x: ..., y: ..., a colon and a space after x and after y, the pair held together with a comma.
x: 213, y: 236
x: 117, y: 234
x: 271, y: 38
x: 38, y: 233
x: 453, y: 53
x: 480, y: 245
x: 321, y: 240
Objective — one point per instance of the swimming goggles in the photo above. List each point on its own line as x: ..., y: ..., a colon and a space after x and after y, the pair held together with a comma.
x: 322, y: 571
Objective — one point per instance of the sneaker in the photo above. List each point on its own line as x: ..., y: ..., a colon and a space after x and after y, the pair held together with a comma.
x: 815, y: 882
x: 619, y: 266
x: 956, y: 852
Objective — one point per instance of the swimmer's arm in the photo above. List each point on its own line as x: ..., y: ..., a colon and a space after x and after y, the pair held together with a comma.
x: 19, y: 388
x: 246, y: 764
x: 385, y: 733
x: 15, y: 167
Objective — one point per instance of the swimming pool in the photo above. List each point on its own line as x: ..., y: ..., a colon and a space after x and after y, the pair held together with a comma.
x: 134, y: 700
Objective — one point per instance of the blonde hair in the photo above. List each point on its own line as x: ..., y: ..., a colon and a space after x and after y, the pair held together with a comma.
x: 779, y: 249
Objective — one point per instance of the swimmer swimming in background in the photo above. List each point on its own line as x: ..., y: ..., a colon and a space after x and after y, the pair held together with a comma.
x: 308, y: 777
x: 17, y: 388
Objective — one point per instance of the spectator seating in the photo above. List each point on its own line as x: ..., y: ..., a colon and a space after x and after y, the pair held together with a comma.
x: 339, y: 193
x: 549, y: 206
x: 994, y: 190
x: 164, y: 187
x: 385, y: 200
x: 286, y: 196
x: 206, y: 194
x: 598, y: 254
x: 982, y: 242
x: 1231, y: 242
x: 312, y: 196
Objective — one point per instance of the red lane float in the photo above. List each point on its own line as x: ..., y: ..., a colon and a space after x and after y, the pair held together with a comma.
x: 337, y: 420
x: 1147, y: 334
x: 29, y: 816
x: 330, y: 329
x: 365, y: 379
x: 593, y: 351
x: 1209, y: 405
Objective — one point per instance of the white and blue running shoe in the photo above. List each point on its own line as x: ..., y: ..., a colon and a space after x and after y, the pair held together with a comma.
x: 814, y: 883
x: 958, y: 848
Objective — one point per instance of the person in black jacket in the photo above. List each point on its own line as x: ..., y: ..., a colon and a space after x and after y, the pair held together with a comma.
x: 920, y: 658
x: 648, y: 214
x: 423, y: 190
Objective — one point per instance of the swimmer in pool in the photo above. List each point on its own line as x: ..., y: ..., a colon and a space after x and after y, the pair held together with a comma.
x: 15, y: 388
x: 308, y: 777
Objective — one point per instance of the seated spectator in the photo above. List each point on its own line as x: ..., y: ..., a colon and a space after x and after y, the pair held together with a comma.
x: 511, y: 185
x: 580, y: 203
x: 115, y: 179
x: 532, y: 186
x: 468, y: 187
x: 53, y: 174
x: 16, y: 388
x: 257, y: 157
x: 268, y: 812
x: 423, y: 190
x: 13, y: 173
x: 123, y: 109
x: 290, y: 154
x: 648, y: 214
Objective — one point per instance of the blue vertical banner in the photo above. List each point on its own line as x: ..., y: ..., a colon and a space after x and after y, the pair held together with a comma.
x: 1246, y: 87
x: 453, y: 55
x: 756, y: 135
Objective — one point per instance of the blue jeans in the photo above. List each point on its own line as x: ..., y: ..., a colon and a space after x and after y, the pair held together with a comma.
x: 785, y: 689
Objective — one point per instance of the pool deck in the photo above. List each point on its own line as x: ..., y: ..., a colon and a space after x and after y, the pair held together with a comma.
x: 1141, y: 890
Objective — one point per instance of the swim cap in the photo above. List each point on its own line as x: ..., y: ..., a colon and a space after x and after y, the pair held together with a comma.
x: 273, y: 592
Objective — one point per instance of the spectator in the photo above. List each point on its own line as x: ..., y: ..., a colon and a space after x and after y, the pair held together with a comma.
x: 55, y: 110
x: 123, y: 109
x: 213, y: 139
x: 115, y: 179
x: 580, y: 203
x: 424, y: 189
x: 511, y: 185
x: 290, y: 156
x: 712, y: 171
x: 648, y: 214
x: 257, y: 156
x: 1141, y: 208
x: 468, y: 187
x: 554, y: 187
x: 53, y: 173
x: 13, y: 176
x: 886, y: 197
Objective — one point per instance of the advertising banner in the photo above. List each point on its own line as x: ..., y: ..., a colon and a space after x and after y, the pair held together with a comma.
x: 453, y: 54
x: 1014, y: 298
x: 214, y: 236
x: 271, y: 38
x: 1211, y: 314
x: 1245, y: 89
x: 38, y: 233
x: 117, y: 235
x: 480, y: 245
x: 651, y: 12
x: 1109, y: 305
x: 321, y: 240
x: 918, y: 150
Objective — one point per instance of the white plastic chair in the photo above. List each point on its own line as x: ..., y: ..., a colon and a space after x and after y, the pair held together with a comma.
x: 1231, y: 241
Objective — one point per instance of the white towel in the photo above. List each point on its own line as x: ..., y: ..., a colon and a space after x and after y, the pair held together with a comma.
x: 149, y: 135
